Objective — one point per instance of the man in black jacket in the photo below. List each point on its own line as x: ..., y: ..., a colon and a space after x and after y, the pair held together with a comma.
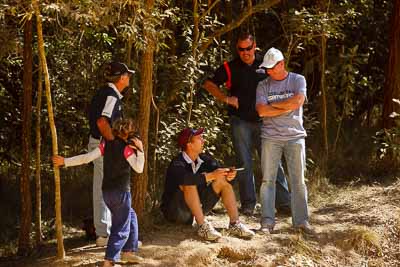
x: 194, y: 184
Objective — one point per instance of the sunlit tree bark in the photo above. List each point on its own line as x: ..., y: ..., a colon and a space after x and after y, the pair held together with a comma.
x: 140, y: 181
x: 324, y: 6
x: 38, y: 207
x: 43, y: 62
x: 324, y: 105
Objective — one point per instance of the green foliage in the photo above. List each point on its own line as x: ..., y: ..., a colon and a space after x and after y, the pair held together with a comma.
x: 81, y: 35
x: 204, y: 115
x: 135, y: 26
x: 387, y: 140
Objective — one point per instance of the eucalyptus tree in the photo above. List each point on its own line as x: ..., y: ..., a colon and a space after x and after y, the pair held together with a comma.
x: 25, y: 192
x: 392, y: 84
x: 146, y: 94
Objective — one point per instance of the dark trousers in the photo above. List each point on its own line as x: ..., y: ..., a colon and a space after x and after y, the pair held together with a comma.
x: 124, y: 226
x: 177, y: 211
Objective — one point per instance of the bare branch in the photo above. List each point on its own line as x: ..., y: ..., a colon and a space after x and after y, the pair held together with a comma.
x: 234, y: 24
x: 209, y: 9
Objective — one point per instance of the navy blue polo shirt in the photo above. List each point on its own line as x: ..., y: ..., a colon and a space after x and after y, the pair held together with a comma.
x: 180, y: 172
x: 244, y: 79
x: 107, y: 102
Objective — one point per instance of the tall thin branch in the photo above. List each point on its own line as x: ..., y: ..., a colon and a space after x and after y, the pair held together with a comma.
x: 38, y: 208
x: 42, y: 54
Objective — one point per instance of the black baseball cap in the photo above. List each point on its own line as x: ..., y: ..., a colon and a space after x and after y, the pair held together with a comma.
x: 116, y: 69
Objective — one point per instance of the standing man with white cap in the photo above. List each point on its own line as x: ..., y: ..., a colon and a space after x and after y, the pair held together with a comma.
x: 105, y: 108
x: 280, y: 100
x: 241, y: 77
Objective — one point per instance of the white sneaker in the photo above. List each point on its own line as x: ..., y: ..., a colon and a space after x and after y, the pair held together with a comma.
x: 240, y: 230
x: 208, y: 232
x: 140, y: 244
x: 101, y: 241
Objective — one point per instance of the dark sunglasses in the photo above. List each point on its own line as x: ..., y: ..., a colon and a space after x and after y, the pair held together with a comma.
x: 241, y: 49
x: 265, y: 68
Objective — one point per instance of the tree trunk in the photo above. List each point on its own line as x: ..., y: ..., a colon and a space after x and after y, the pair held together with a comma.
x: 139, y: 190
x: 38, y: 208
x: 26, y: 202
x: 324, y: 7
x: 60, y: 244
x: 195, y: 43
x: 392, y: 84
x: 324, y: 112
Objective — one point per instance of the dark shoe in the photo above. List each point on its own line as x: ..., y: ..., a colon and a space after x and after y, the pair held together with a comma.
x: 305, y: 228
x: 267, y: 227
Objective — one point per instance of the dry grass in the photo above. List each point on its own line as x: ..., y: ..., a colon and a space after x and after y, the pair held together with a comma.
x: 302, y: 247
x: 363, y: 240
x: 318, y: 186
x: 235, y: 254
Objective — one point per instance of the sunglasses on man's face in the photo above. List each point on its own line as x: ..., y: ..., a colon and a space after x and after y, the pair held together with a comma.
x: 266, y: 69
x: 242, y: 49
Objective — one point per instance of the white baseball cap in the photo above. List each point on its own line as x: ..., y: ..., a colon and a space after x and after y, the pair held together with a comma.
x: 272, y: 57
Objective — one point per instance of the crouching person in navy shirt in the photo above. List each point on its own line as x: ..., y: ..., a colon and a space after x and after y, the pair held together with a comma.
x: 194, y: 184
x: 121, y: 154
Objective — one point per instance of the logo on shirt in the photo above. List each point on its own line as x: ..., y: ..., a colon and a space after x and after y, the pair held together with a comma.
x: 280, y: 96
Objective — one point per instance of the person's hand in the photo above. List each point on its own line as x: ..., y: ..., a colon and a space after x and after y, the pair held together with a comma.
x: 216, y: 174
x: 58, y: 160
x: 137, y: 144
x: 233, y: 101
x: 231, y: 174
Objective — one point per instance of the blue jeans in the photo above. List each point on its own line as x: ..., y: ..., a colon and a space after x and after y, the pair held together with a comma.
x: 294, y: 151
x: 124, y: 226
x: 101, y: 214
x: 246, y: 136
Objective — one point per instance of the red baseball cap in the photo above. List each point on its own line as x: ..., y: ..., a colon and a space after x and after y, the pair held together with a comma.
x: 186, y: 134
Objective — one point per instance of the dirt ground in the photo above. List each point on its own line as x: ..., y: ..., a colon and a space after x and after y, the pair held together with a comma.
x: 355, y: 226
